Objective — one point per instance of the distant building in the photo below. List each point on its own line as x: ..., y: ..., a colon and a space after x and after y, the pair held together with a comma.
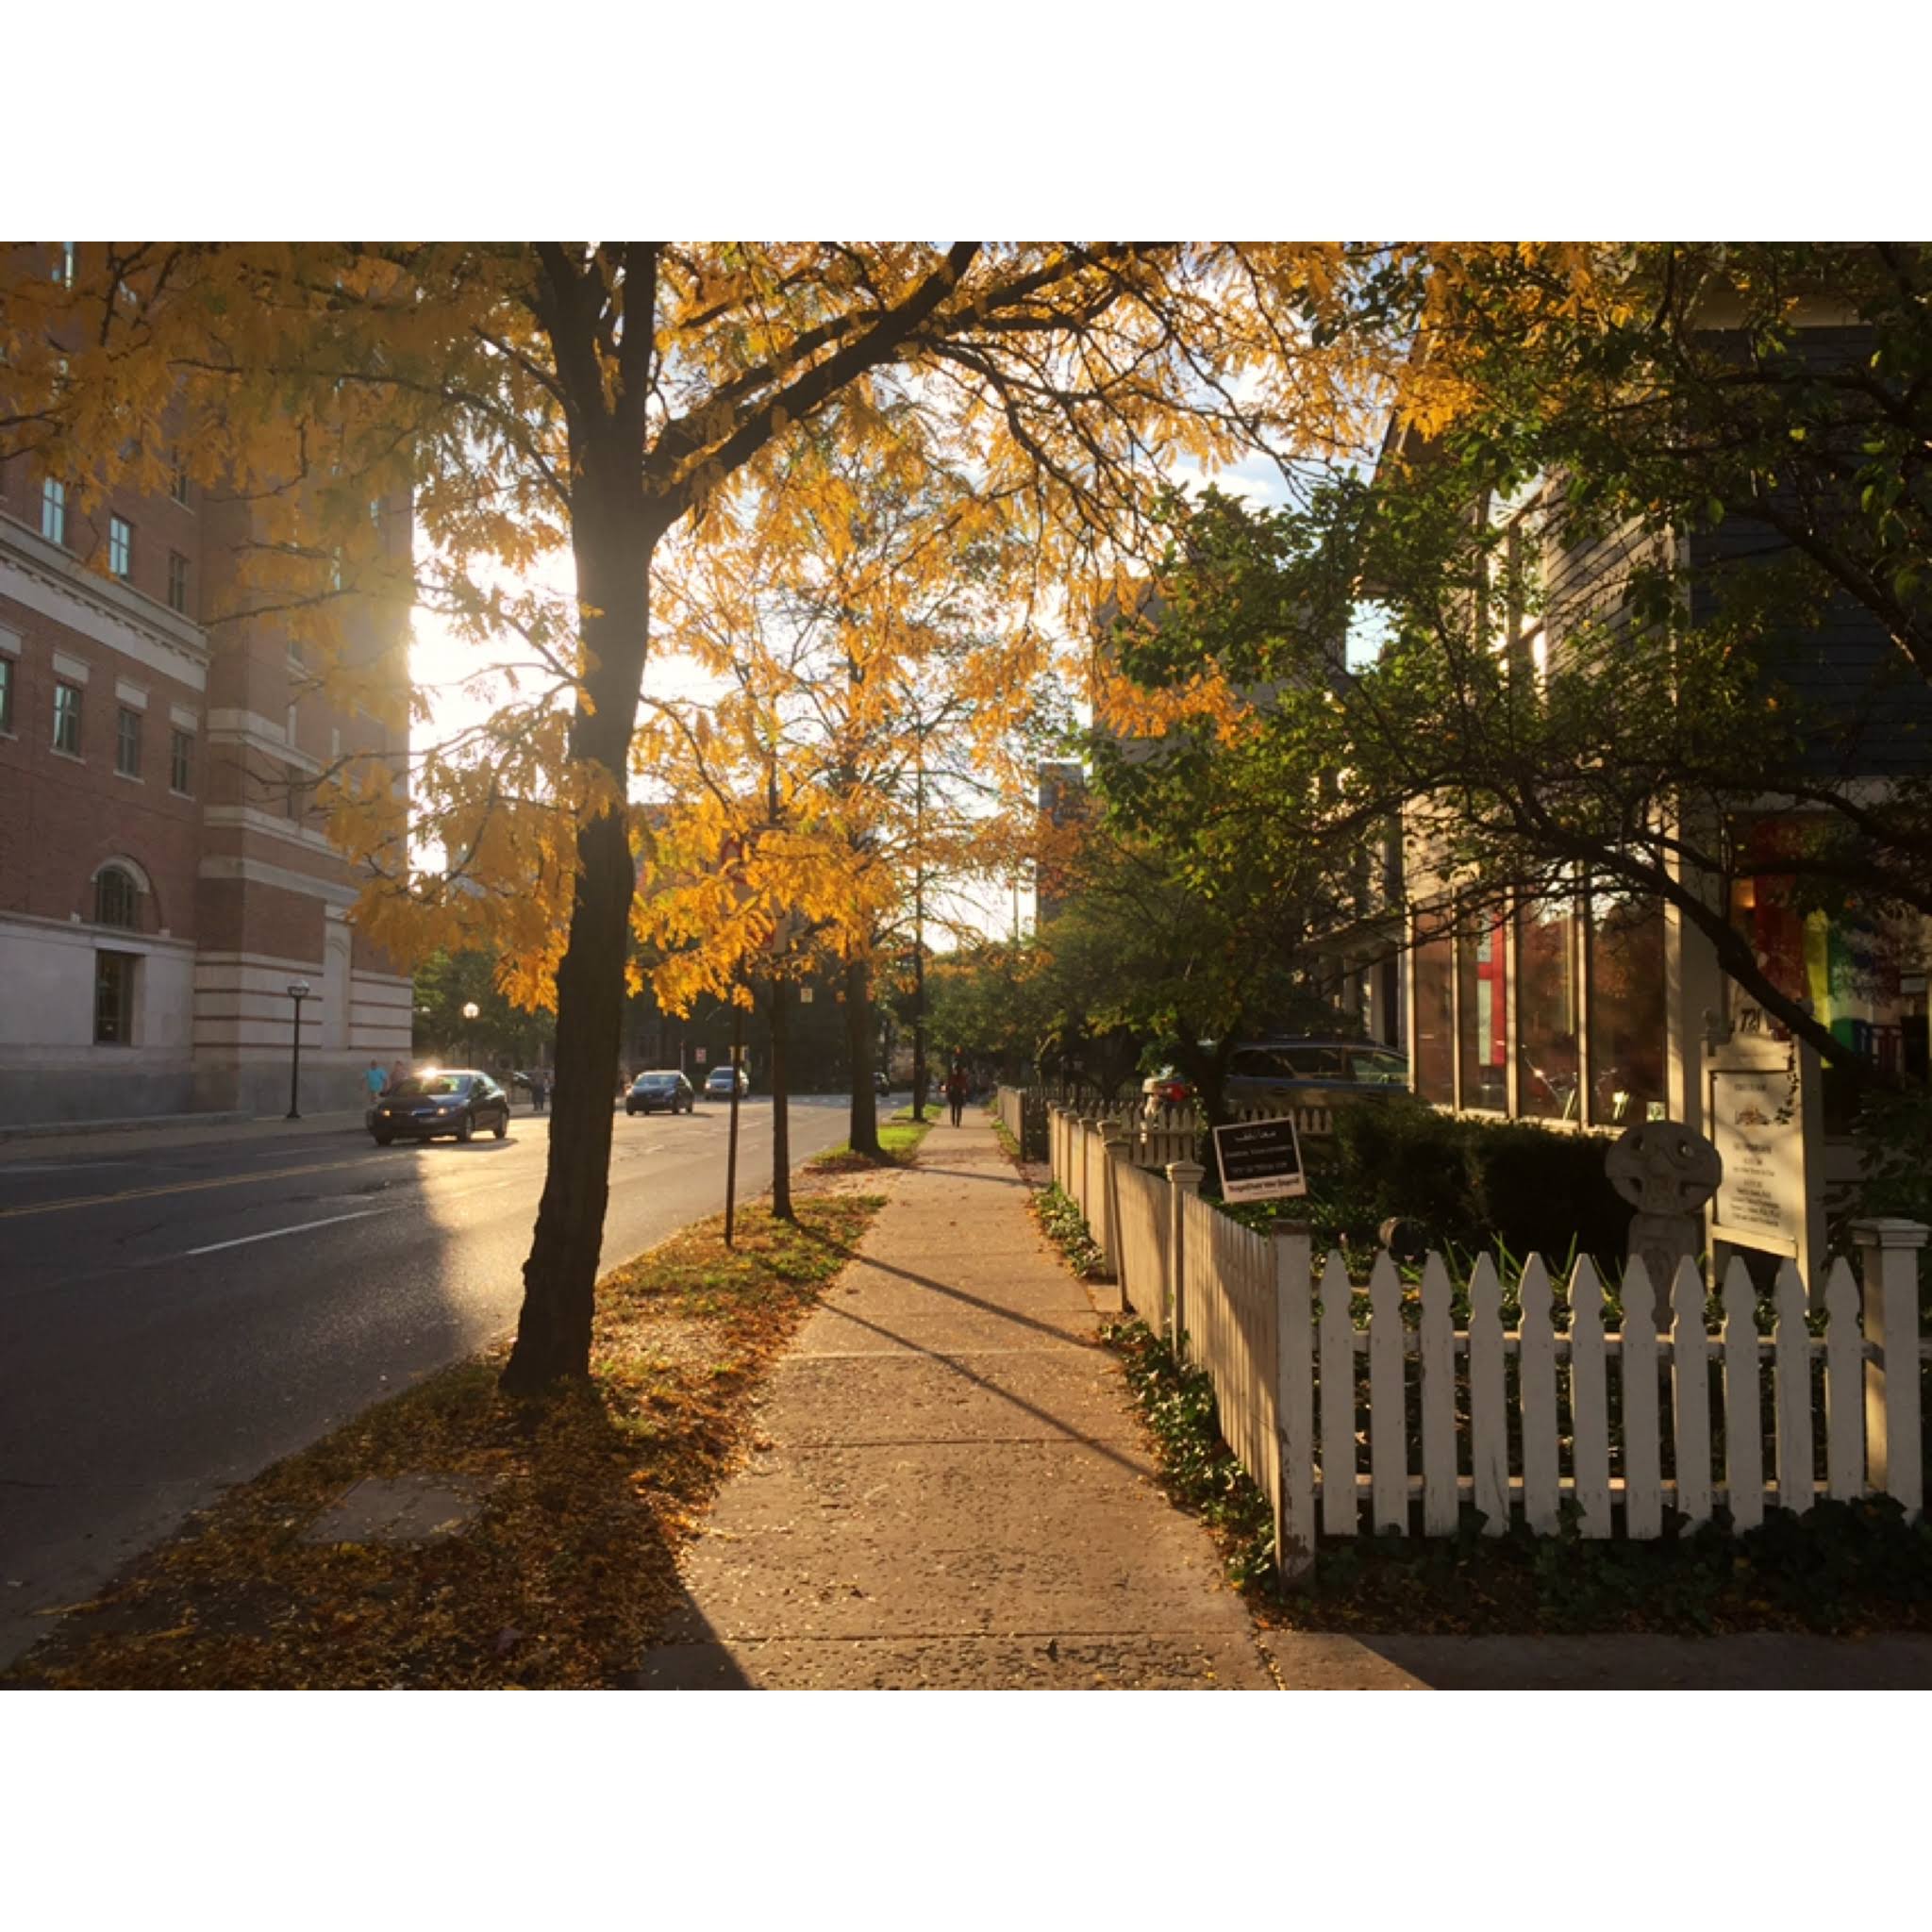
x: 161, y: 880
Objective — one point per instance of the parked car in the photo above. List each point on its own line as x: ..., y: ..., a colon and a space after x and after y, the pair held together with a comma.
x: 1313, y: 1072
x: 668, y: 1090
x: 446, y: 1102
x: 717, y: 1082
x: 1293, y: 1073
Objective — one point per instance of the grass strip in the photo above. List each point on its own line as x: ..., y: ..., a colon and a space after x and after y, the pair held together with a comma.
x: 899, y: 1136
x: 587, y: 1495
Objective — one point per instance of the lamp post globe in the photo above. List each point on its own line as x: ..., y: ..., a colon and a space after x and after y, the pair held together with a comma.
x: 469, y: 1011
x: 298, y: 991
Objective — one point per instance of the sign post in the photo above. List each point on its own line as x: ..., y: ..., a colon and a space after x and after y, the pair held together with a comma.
x: 1767, y: 1121
x: 1261, y: 1160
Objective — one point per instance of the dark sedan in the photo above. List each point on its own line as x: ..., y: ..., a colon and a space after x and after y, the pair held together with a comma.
x: 427, y: 1105
x: 670, y: 1091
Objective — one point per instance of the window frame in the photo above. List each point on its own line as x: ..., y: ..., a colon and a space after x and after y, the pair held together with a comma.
x: 68, y: 714
x: 53, y: 511
x: 120, y: 546
x: 110, y: 884
x: 181, y: 762
x: 121, y: 973
x: 128, y: 720
x: 178, y: 581
x: 8, y: 681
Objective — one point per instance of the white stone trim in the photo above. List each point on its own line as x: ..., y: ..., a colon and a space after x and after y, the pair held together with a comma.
x: 46, y: 579
x: 251, y: 818
x: 84, y: 932
x: 184, y: 720
x: 133, y: 695
x: 259, y: 871
x: 75, y: 670
x: 10, y: 640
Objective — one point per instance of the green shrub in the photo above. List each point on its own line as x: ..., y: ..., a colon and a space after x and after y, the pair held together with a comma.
x: 1467, y: 1184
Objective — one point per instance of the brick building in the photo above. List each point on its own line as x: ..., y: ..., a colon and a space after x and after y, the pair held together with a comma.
x: 161, y: 882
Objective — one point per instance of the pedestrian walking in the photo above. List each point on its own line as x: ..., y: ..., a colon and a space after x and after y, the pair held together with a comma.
x: 956, y: 1091
x: 377, y: 1082
x: 397, y: 1075
x: 539, y: 1089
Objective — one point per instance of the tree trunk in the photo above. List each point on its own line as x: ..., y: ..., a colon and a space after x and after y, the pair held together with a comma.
x: 864, y: 1137
x: 612, y: 542
x: 781, y: 1125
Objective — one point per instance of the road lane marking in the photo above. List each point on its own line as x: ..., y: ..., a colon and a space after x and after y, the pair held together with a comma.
x: 277, y: 1233
x: 225, y: 1180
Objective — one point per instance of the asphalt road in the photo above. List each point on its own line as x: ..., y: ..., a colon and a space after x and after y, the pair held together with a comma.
x: 174, y: 1321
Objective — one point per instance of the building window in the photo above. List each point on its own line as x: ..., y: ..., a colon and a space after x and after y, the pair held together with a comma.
x: 121, y: 546
x: 67, y: 719
x: 127, y: 742
x: 1481, y: 1013
x: 53, y: 511
x: 177, y: 483
x: 114, y: 999
x: 178, y: 581
x: 1434, y: 1034
x: 5, y: 693
x: 117, y: 899
x: 181, y: 761
x: 63, y: 264
x: 1625, y: 935
x: 1549, y: 1010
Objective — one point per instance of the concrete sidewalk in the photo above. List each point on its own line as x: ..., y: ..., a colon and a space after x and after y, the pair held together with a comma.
x: 952, y: 1488
x: 117, y: 1137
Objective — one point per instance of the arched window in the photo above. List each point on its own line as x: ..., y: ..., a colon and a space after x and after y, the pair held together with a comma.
x: 117, y: 898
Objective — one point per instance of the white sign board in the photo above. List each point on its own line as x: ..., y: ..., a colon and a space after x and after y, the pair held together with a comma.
x: 1261, y: 1160
x: 698, y: 1054
x: 1768, y: 1129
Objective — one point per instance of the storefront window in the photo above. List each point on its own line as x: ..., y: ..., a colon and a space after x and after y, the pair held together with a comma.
x: 1549, y: 1010
x: 1626, y: 1008
x: 1482, y: 992
x: 1435, y: 1065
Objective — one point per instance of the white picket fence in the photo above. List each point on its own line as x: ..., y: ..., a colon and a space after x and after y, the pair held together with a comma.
x: 1079, y: 1141
x: 1520, y: 1422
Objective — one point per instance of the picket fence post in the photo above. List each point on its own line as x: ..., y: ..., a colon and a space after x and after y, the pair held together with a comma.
x: 1590, y: 1405
x: 1113, y: 1150
x: 1294, y: 1402
x: 1743, y: 1409
x: 1436, y: 1384
x: 1489, y: 1428
x: 1341, y: 1514
x: 1536, y: 1395
x: 1889, y: 1276
x: 1184, y: 1178
x: 1690, y: 1394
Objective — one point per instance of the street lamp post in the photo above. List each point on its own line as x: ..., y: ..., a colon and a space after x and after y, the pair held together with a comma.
x: 469, y: 1011
x: 298, y: 991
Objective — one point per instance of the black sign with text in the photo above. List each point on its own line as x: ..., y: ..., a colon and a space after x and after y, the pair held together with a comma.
x: 1261, y: 1160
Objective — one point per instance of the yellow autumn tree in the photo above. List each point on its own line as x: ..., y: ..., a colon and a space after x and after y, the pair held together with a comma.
x: 861, y: 759
x: 593, y: 401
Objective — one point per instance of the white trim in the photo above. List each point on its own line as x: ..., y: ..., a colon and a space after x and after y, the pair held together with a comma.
x: 133, y: 695
x: 84, y: 932
x: 251, y: 818
x: 46, y: 579
x: 259, y: 871
x: 184, y: 720
x: 75, y: 670
x: 10, y: 640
